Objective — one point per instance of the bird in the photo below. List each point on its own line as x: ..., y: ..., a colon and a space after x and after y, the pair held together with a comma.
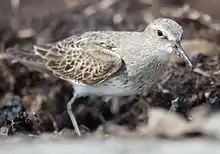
x: 108, y: 63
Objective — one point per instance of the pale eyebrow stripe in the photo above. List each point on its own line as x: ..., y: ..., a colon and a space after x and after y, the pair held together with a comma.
x: 155, y: 27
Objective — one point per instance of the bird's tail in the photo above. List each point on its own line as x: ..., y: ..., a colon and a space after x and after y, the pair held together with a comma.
x: 24, y: 56
x: 29, y: 59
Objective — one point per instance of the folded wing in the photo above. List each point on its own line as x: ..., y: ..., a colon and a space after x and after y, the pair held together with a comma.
x: 80, y: 62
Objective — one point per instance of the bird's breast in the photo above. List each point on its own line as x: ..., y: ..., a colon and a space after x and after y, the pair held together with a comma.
x: 147, y: 74
x: 136, y: 79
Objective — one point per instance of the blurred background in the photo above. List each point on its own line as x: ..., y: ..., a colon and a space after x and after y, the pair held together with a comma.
x: 32, y: 102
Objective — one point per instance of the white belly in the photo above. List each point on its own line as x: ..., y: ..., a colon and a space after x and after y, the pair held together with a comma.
x: 96, y: 90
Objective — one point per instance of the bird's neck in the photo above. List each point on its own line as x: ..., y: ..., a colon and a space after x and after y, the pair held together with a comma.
x: 146, y: 74
x: 154, y: 62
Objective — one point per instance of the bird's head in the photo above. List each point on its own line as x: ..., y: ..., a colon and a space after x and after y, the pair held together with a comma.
x: 166, y: 34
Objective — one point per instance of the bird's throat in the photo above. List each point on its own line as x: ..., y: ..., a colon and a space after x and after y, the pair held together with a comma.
x: 164, y: 55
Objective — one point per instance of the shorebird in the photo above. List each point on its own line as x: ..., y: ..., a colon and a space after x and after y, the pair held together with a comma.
x: 108, y: 63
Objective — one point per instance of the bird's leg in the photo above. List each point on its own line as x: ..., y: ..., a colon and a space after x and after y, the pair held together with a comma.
x: 101, y: 117
x: 115, y: 105
x: 98, y: 110
x: 142, y: 107
x: 71, y: 115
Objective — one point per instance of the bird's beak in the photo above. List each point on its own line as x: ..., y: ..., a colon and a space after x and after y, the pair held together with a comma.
x: 179, y: 51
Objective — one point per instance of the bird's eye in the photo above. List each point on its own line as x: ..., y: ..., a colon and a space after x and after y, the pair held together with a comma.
x: 159, y: 33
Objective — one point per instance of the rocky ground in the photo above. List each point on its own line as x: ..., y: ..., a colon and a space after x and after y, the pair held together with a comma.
x: 184, y: 104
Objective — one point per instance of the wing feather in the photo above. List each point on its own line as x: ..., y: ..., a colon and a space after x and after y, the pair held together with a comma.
x: 81, y: 61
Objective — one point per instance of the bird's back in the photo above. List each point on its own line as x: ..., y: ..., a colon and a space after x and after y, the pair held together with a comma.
x: 89, y: 58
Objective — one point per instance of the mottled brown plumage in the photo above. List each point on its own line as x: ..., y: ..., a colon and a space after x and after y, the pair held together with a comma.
x: 80, y: 62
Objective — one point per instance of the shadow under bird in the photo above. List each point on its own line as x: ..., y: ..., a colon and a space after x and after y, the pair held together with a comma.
x: 108, y: 63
